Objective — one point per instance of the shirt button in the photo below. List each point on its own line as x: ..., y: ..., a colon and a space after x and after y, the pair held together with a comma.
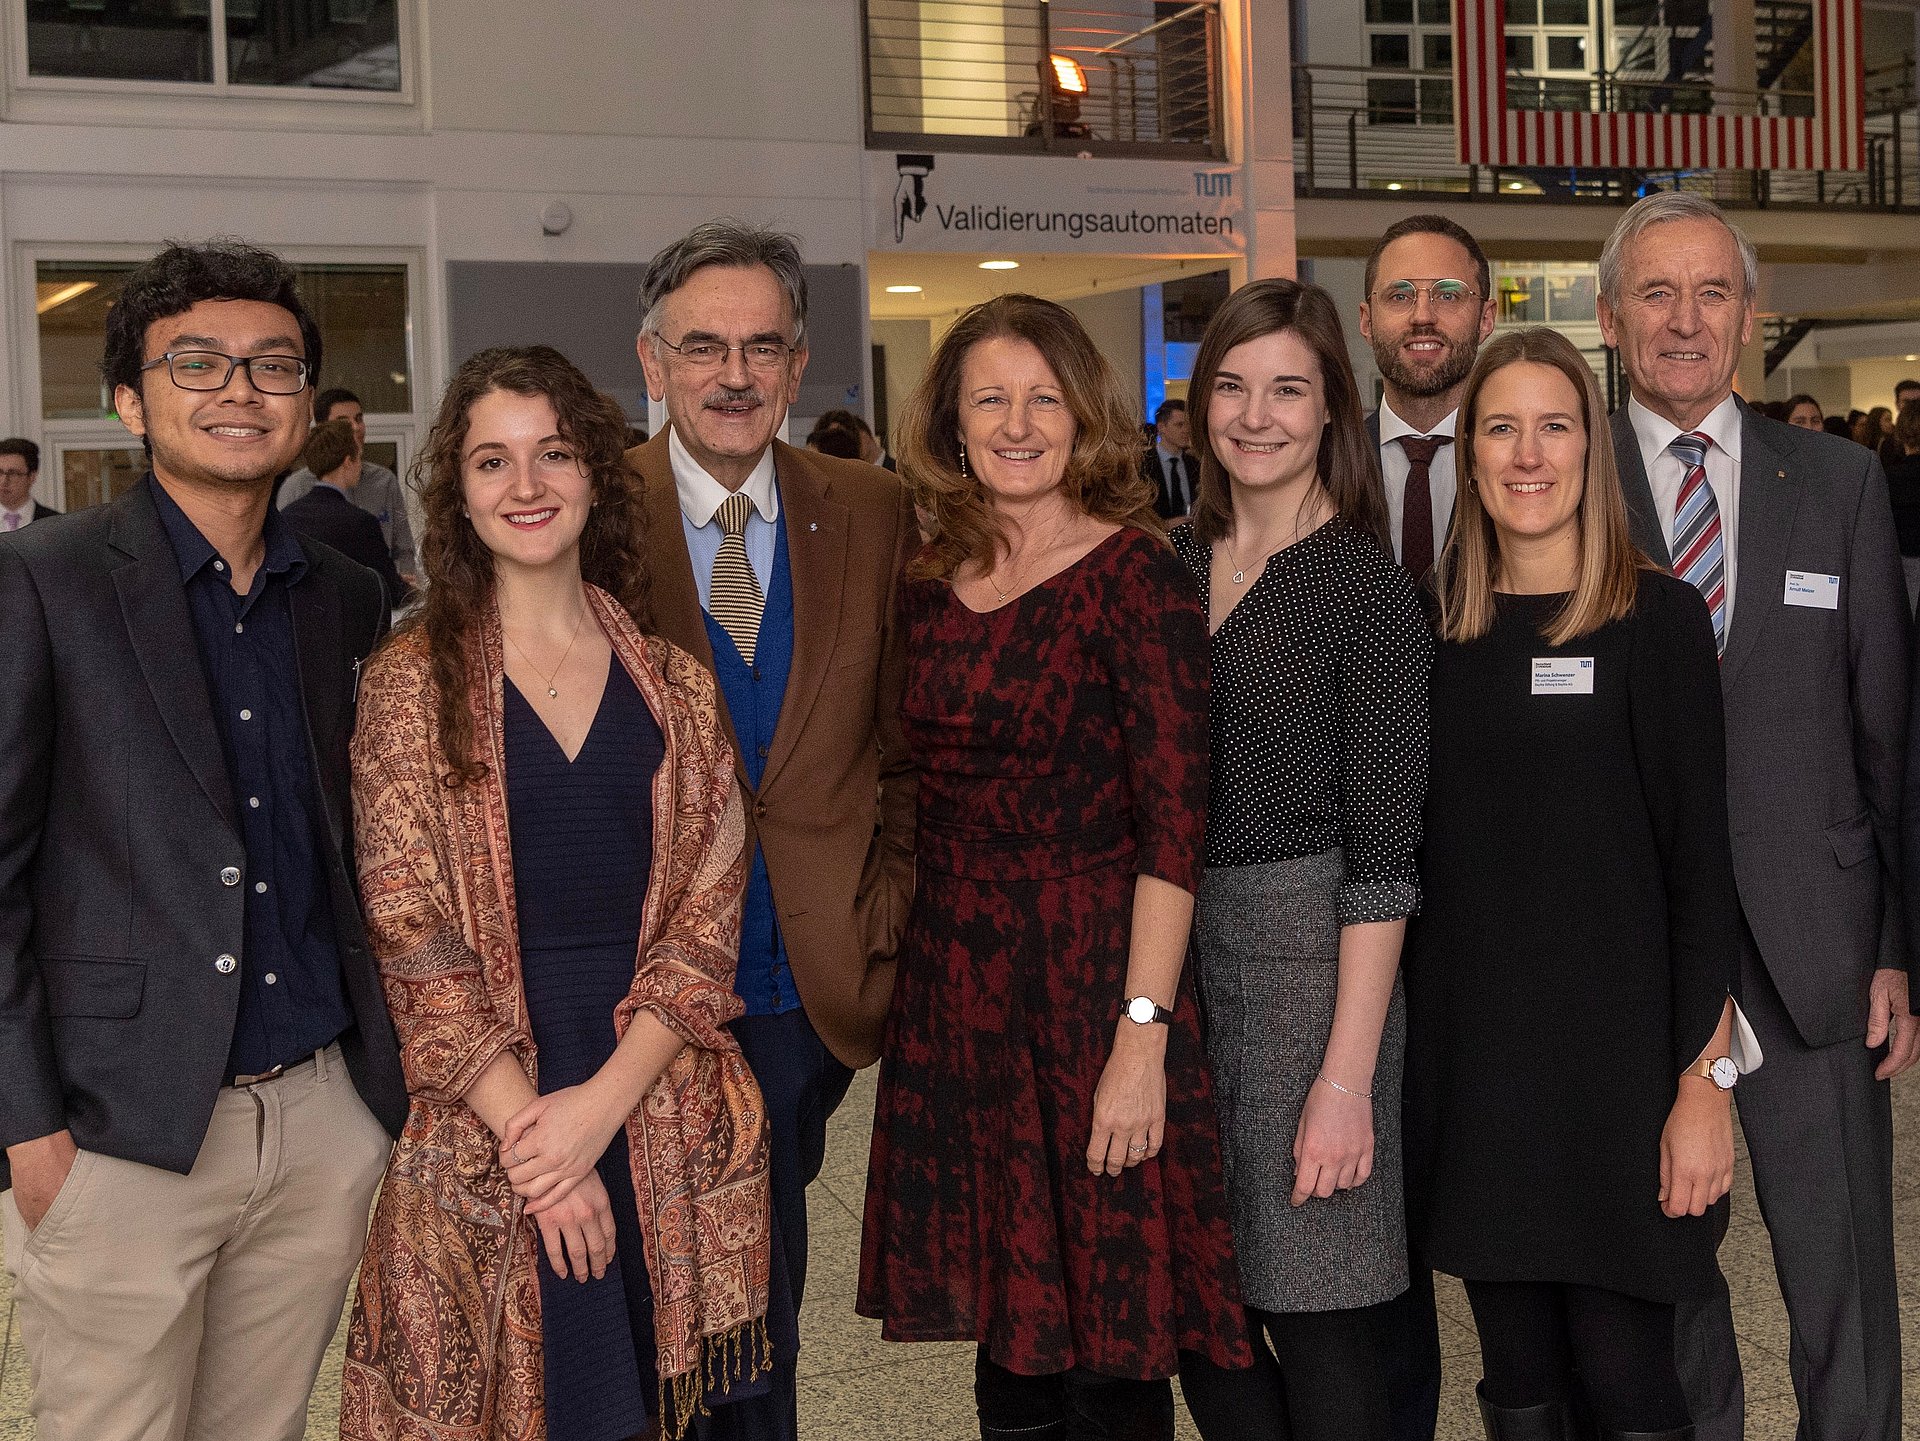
x: 763, y: 752
x: 224, y: 964
x: 230, y: 875
x: 259, y: 888
x: 246, y: 714
x: 239, y: 628
x: 219, y: 565
x: 272, y: 979
x: 254, y: 801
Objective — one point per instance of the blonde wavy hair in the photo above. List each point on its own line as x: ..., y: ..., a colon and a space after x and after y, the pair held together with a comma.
x: 1103, y: 477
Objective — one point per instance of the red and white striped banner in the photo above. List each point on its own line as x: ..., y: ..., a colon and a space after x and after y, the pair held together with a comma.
x: 1490, y: 133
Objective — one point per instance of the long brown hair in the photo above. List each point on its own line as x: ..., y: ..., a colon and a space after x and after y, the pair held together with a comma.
x: 1469, y: 563
x: 1348, y: 463
x: 1103, y: 477
x: 458, y: 566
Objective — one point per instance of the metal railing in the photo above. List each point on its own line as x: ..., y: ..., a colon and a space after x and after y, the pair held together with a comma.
x: 1364, y: 131
x: 1134, y: 78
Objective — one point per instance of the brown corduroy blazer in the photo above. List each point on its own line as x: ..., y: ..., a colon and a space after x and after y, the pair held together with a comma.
x: 834, y: 811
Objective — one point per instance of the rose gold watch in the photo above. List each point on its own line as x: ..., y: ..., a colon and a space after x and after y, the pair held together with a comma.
x: 1718, y: 1069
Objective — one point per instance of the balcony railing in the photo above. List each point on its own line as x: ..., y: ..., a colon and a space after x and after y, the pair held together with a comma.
x: 1137, y: 77
x: 1361, y: 131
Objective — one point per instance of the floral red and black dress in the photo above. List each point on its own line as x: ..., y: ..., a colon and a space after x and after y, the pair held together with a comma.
x: 1062, y: 747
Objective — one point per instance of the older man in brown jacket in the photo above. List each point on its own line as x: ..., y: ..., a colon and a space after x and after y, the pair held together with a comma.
x: 781, y: 568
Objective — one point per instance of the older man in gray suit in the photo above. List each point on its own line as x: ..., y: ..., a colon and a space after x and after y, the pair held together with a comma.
x: 1789, y: 534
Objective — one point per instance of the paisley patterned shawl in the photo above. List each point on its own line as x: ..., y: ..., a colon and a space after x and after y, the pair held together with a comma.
x: 445, y: 1336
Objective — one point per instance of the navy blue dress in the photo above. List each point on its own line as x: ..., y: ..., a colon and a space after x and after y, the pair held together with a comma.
x: 582, y: 847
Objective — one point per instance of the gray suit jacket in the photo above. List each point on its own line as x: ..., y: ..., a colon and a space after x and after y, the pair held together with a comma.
x: 1816, y: 705
x: 117, y: 821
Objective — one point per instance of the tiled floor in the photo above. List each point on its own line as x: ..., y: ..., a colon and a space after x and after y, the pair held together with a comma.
x: 856, y: 1387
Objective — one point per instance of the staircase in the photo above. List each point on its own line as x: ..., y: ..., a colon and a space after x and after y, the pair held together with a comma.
x: 1782, y: 29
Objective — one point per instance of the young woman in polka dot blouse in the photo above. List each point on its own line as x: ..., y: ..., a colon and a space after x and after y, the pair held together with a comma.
x: 1319, y: 753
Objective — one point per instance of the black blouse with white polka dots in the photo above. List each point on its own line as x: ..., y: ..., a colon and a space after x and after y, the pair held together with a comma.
x: 1319, y: 724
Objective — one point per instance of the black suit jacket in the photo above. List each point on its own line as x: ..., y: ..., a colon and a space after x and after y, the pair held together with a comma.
x: 42, y: 512
x: 121, y: 863
x: 330, y: 517
x: 1163, y: 499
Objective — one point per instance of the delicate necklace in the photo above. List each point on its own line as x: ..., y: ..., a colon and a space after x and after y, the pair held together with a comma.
x: 1299, y: 521
x: 548, y: 680
x: 1013, y: 573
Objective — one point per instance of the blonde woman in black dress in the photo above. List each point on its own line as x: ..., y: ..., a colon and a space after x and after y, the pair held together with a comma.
x: 1318, y: 736
x: 1570, y: 1140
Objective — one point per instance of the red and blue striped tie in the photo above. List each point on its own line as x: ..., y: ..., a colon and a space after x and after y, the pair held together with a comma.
x: 1699, y: 550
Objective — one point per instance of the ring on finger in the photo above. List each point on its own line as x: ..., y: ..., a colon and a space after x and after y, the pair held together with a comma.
x: 1137, y: 1150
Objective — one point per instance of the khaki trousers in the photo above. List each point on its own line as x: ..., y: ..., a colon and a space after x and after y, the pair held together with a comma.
x: 160, y: 1307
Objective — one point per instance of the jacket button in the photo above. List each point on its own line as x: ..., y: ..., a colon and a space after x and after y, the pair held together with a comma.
x: 230, y: 875
x: 224, y: 964
x: 760, y: 809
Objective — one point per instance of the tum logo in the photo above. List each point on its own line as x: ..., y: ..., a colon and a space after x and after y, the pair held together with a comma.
x: 1213, y: 185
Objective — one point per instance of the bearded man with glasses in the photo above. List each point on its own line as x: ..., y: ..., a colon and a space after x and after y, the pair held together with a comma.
x: 202, y: 1082
x: 779, y: 568
x: 1427, y: 309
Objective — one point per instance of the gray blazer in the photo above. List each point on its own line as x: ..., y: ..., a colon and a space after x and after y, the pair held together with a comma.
x: 1816, y: 704
x: 118, y: 837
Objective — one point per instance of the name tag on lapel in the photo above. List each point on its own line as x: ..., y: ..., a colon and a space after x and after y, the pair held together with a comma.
x: 1822, y: 592
x: 1563, y: 675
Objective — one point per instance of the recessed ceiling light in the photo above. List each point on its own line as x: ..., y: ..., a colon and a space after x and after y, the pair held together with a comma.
x: 1515, y: 185
x: 903, y: 290
x: 1393, y: 185
x: 1910, y: 357
x: 999, y: 265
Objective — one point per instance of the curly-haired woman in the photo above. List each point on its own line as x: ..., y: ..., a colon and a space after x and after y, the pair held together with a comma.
x: 573, y: 1237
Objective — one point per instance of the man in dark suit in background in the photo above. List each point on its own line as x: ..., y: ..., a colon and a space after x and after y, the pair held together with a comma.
x: 1428, y: 307
x: 201, y: 1079
x: 1789, y: 535
x: 1170, y: 464
x: 327, y: 513
x: 19, y: 471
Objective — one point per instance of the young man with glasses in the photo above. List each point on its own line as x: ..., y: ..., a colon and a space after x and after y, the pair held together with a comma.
x: 779, y: 568
x: 19, y: 469
x: 201, y: 1076
x: 1428, y: 307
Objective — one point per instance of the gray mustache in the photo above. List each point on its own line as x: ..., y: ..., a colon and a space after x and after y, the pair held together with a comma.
x: 726, y: 395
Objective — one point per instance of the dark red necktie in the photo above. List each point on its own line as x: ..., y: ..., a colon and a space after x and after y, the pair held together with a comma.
x: 1416, y: 511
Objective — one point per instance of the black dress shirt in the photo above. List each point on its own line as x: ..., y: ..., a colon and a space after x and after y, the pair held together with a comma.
x: 292, y: 998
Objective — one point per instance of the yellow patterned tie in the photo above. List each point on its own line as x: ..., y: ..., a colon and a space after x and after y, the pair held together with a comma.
x: 734, y: 598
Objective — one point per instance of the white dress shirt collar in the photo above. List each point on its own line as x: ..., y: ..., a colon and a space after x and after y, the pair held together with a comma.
x: 1655, y: 432
x: 25, y: 513
x: 1392, y: 427
x: 701, y: 495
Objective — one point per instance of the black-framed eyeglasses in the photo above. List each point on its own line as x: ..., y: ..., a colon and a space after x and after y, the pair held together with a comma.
x: 764, y: 356
x: 1403, y: 295
x: 210, y: 370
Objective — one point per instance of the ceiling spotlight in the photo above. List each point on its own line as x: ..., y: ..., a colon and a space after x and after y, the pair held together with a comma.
x: 999, y: 265
x: 1910, y: 357
x: 1515, y: 185
x: 1393, y: 185
x: 903, y: 290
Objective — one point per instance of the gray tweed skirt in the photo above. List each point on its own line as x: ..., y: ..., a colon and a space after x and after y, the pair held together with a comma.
x: 1267, y: 942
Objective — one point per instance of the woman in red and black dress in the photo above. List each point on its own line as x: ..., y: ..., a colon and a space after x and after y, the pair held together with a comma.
x: 1046, y: 1175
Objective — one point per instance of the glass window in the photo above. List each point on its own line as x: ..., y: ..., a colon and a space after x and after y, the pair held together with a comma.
x: 338, y: 45
x: 1389, y: 12
x: 1389, y: 51
x: 94, y: 477
x: 120, y: 39
x: 1436, y: 12
x: 1570, y: 298
x: 1436, y: 102
x: 1391, y: 102
x: 1436, y: 52
x: 1566, y: 52
x: 1519, y: 52
x: 361, y: 311
x: 383, y: 452
x: 1523, y: 12
x: 1565, y: 95
x: 314, y: 44
x: 1521, y: 299
x: 1567, y: 12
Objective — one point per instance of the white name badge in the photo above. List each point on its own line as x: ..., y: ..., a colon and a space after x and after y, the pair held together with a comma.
x: 1563, y: 675
x: 1822, y: 592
